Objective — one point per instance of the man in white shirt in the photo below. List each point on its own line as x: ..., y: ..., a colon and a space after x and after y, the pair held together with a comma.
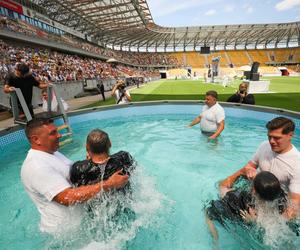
x: 278, y: 156
x: 45, y: 175
x: 212, y: 118
x: 122, y: 95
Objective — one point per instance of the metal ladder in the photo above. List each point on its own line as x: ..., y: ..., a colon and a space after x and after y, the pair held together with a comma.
x: 61, y: 113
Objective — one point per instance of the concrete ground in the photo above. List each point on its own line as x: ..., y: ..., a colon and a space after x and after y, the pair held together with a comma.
x: 73, y: 105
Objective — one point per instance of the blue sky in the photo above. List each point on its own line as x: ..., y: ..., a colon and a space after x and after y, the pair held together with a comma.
x: 210, y: 12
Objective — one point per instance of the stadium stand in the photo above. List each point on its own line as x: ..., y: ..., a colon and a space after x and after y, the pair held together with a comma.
x: 128, y: 42
x: 282, y: 55
x: 258, y: 56
x: 195, y: 59
x: 127, y: 57
x: 55, y: 66
x: 238, y: 58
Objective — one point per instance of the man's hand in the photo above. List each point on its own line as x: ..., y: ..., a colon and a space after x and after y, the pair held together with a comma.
x: 212, y: 137
x: 250, y: 172
x: 243, y: 94
x: 293, y: 209
x: 117, y: 180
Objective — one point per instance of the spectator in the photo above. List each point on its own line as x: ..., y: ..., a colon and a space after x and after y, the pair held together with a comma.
x: 100, y: 87
x: 242, y: 96
x: 122, y: 95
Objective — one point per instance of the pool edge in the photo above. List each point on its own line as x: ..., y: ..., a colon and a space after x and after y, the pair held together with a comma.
x: 278, y: 111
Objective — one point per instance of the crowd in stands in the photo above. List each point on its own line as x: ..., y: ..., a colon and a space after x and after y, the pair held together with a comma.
x: 54, y: 66
x: 100, y: 68
x: 132, y: 58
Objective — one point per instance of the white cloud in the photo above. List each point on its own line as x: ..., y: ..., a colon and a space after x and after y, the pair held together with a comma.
x: 248, y: 8
x: 228, y: 8
x: 160, y: 8
x: 287, y: 4
x: 210, y: 12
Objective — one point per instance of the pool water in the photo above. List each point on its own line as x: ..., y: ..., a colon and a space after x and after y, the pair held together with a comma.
x: 177, y: 174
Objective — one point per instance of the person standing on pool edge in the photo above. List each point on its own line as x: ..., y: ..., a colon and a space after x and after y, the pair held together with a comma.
x: 23, y: 79
x: 212, y: 118
x: 45, y: 175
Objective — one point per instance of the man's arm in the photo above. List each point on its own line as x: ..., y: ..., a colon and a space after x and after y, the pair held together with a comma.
x: 249, y: 171
x: 293, y: 210
x: 195, y: 121
x: 221, y: 127
x: 211, y: 227
x: 249, y: 99
x: 81, y: 194
x: 234, y: 98
x: 127, y: 96
x: 115, y: 88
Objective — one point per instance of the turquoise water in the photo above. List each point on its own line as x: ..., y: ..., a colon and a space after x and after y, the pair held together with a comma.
x: 177, y: 173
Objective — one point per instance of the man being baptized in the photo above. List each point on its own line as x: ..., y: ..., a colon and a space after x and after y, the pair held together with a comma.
x: 100, y: 165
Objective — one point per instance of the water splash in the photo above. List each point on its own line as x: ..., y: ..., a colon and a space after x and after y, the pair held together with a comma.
x: 273, y: 227
x: 114, y: 218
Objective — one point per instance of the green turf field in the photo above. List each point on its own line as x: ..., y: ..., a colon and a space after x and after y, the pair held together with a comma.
x: 286, y: 92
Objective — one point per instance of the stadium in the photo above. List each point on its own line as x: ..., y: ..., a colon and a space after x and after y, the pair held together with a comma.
x: 76, y: 46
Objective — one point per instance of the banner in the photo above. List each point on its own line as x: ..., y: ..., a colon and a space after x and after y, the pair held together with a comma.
x: 11, y: 6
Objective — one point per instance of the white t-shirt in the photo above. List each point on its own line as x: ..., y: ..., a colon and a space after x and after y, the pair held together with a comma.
x: 54, y: 105
x: 44, y: 176
x: 124, y: 98
x: 286, y: 166
x: 211, y: 117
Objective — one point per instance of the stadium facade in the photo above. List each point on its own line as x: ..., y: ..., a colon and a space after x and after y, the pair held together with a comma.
x: 128, y: 25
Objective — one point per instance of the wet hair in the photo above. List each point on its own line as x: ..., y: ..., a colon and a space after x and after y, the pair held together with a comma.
x: 286, y: 124
x: 212, y: 93
x: 23, y: 69
x: 267, y: 186
x: 34, y: 124
x: 98, y: 141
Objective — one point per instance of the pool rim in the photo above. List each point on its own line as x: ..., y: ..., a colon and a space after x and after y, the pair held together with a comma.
x: 278, y: 111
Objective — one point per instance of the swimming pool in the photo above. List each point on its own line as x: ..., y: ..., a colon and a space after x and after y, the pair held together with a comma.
x: 177, y: 174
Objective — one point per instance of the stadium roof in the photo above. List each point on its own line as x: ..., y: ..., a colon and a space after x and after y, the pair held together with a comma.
x: 128, y: 24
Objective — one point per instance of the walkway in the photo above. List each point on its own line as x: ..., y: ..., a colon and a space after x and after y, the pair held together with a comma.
x: 73, y: 105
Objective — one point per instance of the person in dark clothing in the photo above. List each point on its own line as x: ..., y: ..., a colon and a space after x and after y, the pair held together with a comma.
x: 100, y: 165
x: 239, y: 206
x: 242, y: 96
x: 24, y: 80
x: 100, y: 87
